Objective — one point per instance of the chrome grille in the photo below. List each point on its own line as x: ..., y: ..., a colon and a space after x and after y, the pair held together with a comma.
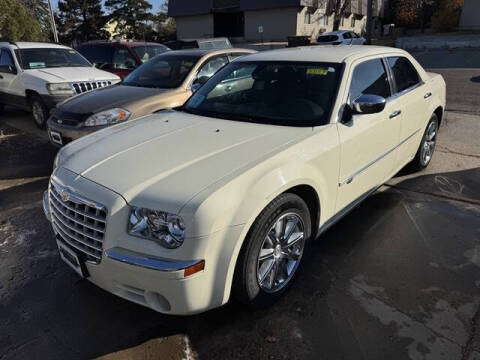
x: 78, y: 222
x: 82, y: 87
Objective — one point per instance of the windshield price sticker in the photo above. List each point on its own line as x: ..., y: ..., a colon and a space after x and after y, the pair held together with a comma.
x: 33, y: 65
x: 188, y: 63
x: 72, y: 51
x: 317, y: 71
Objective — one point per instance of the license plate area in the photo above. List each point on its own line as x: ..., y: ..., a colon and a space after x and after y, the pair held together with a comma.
x: 56, y: 137
x: 72, y: 259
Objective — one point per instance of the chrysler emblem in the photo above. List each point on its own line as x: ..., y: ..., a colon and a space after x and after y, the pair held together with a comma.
x: 64, y: 195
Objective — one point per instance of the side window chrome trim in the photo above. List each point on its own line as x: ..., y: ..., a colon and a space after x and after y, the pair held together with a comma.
x: 407, y: 90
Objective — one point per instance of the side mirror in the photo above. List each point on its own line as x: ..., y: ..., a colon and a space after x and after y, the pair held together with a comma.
x: 199, y: 82
x: 9, y: 69
x: 368, y: 104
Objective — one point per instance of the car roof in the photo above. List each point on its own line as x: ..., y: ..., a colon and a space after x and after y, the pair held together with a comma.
x: 203, y: 52
x: 30, y: 45
x: 203, y: 39
x: 338, y: 32
x: 322, y: 53
x: 128, y: 43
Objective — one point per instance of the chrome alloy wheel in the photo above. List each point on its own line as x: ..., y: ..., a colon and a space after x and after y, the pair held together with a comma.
x: 280, y: 253
x: 428, y: 146
x: 37, y: 112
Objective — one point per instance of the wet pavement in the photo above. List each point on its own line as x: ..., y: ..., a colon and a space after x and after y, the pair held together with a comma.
x: 398, y: 278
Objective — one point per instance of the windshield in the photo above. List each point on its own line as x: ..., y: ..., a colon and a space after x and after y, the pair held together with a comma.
x: 50, y: 57
x: 146, y: 52
x: 165, y: 71
x: 280, y: 93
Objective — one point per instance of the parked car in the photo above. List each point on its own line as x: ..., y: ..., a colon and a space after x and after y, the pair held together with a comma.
x: 37, y: 76
x: 341, y: 37
x: 207, y: 44
x: 166, y: 81
x: 120, y: 57
x: 181, y: 209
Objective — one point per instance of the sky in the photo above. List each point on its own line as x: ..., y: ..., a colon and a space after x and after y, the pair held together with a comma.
x: 155, y: 4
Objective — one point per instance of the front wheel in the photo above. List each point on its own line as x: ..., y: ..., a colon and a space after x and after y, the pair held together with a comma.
x: 39, y: 111
x: 273, y: 251
x: 427, y: 146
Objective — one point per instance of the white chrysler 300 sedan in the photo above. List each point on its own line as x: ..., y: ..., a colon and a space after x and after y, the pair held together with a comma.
x: 178, y: 210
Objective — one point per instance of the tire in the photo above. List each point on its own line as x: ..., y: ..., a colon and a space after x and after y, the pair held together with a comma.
x: 425, y: 151
x: 253, y: 284
x: 39, y: 111
x: 2, y: 108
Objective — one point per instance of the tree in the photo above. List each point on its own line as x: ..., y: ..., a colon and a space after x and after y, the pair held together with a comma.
x: 414, y: 13
x: 448, y: 15
x: 16, y: 24
x: 134, y: 21
x: 166, y: 26
x: 81, y: 20
x: 40, y: 10
x: 339, y: 8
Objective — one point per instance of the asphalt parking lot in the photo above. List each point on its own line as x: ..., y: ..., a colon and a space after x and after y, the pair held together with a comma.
x: 398, y: 278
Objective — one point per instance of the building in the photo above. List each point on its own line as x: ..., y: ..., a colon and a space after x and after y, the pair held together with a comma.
x: 266, y: 20
x: 470, y: 19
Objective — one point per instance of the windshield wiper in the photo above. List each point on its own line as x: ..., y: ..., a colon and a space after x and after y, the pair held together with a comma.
x: 226, y: 116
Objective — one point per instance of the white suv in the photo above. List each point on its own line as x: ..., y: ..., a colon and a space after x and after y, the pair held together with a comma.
x: 36, y: 76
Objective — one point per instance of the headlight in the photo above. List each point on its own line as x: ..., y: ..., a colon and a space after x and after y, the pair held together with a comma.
x: 166, y: 229
x: 107, y: 117
x: 60, y: 89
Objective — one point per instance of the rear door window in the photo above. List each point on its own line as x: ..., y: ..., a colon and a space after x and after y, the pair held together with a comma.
x: 369, y: 78
x: 404, y: 73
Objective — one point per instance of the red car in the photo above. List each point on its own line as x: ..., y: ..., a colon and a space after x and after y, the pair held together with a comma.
x: 120, y: 57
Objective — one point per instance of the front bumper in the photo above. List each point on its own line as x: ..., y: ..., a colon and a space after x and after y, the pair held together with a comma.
x: 51, y: 101
x: 60, y: 135
x: 133, y: 269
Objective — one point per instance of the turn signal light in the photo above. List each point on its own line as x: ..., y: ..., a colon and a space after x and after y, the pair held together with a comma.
x: 194, y: 268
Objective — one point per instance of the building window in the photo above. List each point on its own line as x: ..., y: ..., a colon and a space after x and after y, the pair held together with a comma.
x: 323, y: 20
x: 352, y: 24
x: 308, y: 17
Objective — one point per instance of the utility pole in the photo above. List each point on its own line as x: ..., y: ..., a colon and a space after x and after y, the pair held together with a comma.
x: 369, y: 21
x: 52, y: 21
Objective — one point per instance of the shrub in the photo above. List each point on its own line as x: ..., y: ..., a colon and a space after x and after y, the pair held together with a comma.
x: 448, y: 15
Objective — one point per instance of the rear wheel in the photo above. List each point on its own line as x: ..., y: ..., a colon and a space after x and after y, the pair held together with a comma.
x: 273, y: 251
x: 427, y: 146
x: 2, y: 108
x: 39, y: 111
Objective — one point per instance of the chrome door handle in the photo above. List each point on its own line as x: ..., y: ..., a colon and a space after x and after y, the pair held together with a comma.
x: 395, y: 114
x: 427, y: 95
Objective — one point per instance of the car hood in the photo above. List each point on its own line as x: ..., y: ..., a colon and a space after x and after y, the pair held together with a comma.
x: 72, y: 74
x: 164, y: 160
x: 127, y: 97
